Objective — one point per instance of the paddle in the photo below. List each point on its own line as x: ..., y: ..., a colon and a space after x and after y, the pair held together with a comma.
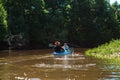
x: 73, y: 45
x: 70, y: 45
x: 51, y: 45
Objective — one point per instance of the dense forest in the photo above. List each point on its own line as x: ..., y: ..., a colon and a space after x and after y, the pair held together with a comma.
x: 30, y: 24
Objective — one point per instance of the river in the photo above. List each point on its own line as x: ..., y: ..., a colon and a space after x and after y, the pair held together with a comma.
x: 43, y: 65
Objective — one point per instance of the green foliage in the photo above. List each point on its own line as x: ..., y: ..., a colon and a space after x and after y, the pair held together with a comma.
x: 90, y: 19
x: 87, y: 23
x: 108, y: 50
x: 3, y: 22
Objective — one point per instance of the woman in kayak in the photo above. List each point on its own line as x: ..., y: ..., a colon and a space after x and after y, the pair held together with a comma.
x: 58, y: 47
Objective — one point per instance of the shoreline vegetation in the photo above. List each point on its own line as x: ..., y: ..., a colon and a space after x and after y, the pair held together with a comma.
x: 33, y: 24
x: 109, y: 51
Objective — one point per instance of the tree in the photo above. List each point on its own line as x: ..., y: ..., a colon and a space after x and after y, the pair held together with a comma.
x: 81, y: 23
x: 57, y: 19
x: 3, y: 25
x: 75, y: 21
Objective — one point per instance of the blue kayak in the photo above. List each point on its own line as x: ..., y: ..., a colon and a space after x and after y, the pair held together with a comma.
x: 66, y: 52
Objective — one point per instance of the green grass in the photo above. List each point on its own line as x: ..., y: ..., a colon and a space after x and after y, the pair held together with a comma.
x: 109, y: 50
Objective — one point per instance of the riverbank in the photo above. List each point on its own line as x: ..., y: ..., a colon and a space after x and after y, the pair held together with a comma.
x: 109, y: 50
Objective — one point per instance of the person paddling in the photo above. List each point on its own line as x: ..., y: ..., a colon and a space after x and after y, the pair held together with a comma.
x: 58, y: 47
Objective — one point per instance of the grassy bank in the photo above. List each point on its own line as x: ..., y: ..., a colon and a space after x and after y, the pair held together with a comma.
x: 109, y: 50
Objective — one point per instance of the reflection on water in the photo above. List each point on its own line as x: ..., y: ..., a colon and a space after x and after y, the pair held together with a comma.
x: 42, y: 65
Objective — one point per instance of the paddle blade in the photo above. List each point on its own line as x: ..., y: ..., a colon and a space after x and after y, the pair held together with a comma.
x: 51, y: 45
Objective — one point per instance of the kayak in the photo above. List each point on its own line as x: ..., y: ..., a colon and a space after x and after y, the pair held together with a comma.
x: 66, y: 52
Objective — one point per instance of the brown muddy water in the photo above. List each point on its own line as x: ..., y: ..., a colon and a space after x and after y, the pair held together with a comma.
x: 43, y: 65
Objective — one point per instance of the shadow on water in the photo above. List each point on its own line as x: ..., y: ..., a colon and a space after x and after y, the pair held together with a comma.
x: 42, y: 65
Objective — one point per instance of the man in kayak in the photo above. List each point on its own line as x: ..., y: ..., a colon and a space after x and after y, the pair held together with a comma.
x: 58, y: 47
